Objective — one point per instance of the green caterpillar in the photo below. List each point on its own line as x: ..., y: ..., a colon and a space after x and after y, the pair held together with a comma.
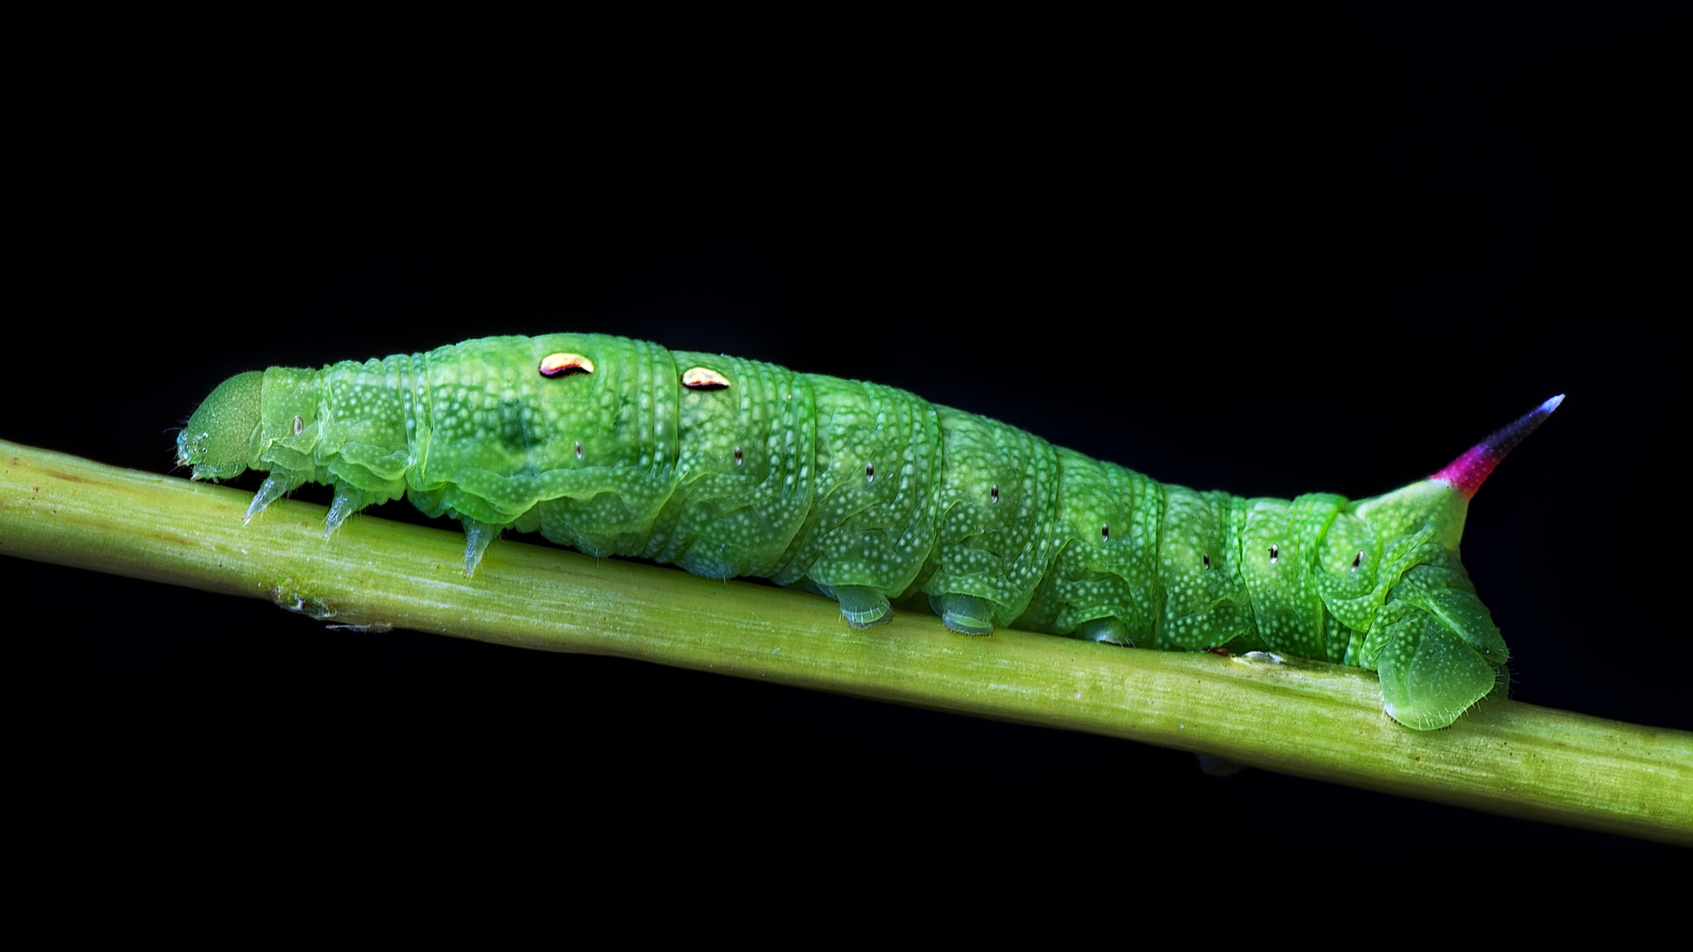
x: 864, y: 493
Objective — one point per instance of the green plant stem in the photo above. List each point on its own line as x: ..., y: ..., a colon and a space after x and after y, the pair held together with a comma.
x: 1313, y: 720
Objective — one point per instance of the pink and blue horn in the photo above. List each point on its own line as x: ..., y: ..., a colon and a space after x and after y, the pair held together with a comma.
x: 1466, y: 473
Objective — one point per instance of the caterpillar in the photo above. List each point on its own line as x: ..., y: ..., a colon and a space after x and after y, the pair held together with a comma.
x: 869, y: 494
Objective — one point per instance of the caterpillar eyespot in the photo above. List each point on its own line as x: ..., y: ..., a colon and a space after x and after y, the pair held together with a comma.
x: 565, y: 365
x: 702, y: 378
x: 489, y: 420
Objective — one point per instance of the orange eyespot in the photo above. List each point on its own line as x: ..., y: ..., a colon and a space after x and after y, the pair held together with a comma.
x: 565, y: 365
x: 704, y: 378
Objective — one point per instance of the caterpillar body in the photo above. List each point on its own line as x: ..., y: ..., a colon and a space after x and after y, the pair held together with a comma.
x: 866, y: 493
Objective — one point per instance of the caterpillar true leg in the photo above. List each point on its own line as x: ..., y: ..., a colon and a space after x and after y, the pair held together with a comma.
x: 477, y: 537
x: 347, y: 501
x: 278, y: 484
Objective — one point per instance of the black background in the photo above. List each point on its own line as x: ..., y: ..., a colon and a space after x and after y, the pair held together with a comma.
x: 1269, y: 248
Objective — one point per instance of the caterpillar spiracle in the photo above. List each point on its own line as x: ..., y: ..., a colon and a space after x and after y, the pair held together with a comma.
x: 866, y: 493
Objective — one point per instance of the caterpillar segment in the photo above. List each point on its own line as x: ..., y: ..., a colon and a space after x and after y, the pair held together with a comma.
x: 869, y: 494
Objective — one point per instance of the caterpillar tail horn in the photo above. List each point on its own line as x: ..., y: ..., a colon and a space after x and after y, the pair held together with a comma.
x: 1466, y: 473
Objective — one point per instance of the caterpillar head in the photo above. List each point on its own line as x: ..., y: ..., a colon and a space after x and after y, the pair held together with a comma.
x: 217, y: 442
